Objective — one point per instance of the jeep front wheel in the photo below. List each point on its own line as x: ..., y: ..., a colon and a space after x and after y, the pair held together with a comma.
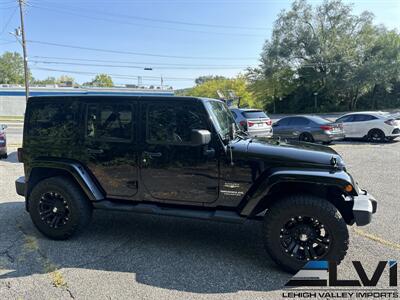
x: 58, y: 208
x: 302, y: 228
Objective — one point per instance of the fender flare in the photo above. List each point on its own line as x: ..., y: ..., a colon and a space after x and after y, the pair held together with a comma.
x: 270, y: 178
x: 76, y: 170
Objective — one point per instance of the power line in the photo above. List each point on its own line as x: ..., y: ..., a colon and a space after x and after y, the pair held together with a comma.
x: 138, y: 53
x: 9, y: 42
x: 118, y: 21
x: 130, y: 66
x: 170, y: 21
x: 9, y: 20
x: 139, y: 63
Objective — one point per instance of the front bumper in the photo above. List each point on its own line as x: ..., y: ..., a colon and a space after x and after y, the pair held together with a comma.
x: 364, y: 207
x: 20, y: 186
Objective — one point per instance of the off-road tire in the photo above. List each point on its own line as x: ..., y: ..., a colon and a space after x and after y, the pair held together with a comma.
x: 306, y: 137
x: 79, y: 207
x: 376, y: 136
x: 307, y: 205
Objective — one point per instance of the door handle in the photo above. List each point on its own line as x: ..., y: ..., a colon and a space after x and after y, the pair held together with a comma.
x: 95, y: 151
x: 210, y: 153
x: 152, y: 154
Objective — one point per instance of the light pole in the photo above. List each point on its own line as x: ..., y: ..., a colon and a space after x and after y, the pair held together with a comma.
x: 315, y: 101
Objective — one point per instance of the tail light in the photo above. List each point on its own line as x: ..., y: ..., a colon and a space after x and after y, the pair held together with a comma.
x: 268, y: 122
x: 243, y: 124
x: 20, y: 155
x: 326, y: 127
x: 391, y: 122
x: 250, y: 124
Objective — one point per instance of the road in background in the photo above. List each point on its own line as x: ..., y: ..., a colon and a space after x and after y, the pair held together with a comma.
x: 14, y: 132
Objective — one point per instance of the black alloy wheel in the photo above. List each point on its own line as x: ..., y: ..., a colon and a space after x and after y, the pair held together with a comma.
x: 305, y: 238
x: 53, y: 209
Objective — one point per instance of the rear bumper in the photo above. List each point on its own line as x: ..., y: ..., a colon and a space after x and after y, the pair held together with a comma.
x: 364, y: 207
x: 263, y: 133
x: 20, y: 186
x: 327, y: 137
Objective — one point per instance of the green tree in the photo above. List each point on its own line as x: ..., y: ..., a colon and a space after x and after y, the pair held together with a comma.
x: 239, y: 85
x: 203, y: 79
x: 12, y: 68
x: 326, y: 50
x: 65, y: 78
x: 48, y: 80
x: 102, y: 80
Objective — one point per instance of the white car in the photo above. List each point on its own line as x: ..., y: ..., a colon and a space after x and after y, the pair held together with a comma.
x: 375, y: 126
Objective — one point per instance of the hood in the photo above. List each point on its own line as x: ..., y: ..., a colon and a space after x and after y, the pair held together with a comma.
x: 287, y: 153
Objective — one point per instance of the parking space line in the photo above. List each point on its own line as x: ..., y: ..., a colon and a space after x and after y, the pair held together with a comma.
x: 377, y: 239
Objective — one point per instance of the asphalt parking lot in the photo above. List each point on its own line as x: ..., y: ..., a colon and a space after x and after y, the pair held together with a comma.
x: 133, y: 256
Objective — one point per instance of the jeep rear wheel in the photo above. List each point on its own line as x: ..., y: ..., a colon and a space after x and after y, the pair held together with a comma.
x: 58, y: 208
x: 302, y: 228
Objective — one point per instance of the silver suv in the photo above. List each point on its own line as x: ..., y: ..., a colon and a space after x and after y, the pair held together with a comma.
x: 254, y: 121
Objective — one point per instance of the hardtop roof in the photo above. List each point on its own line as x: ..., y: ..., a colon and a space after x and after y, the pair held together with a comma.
x: 119, y: 97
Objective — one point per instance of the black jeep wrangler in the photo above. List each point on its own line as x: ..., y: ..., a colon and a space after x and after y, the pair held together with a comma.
x: 181, y: 156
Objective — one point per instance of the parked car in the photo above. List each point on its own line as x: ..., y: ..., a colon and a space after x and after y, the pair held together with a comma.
x: 183, y: 157
x: 373, y: 126
x: 308, y: 129
x: 3, y: 141
x: 253, y: 121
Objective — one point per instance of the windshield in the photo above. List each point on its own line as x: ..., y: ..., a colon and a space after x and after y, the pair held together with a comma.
x: 220, y: 116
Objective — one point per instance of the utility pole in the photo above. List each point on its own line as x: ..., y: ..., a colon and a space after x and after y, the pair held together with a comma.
x: 26, y: 71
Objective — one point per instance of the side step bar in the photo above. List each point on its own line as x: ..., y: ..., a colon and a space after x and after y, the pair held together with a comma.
x: 153, y: 209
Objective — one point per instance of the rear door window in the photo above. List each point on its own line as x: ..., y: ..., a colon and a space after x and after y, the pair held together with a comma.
x: 53, y: 120
x: 298, y: 121
x: 283, y: 122
x: 363, y: 118
x: 345, y: 119
x: 110, y: 122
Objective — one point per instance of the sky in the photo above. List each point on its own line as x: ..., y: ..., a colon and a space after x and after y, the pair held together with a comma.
x: 179, y: 40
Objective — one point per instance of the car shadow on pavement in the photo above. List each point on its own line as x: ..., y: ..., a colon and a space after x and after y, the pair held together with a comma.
x: 349, y: 141
x: 165, y: 252
x: 12, y: 157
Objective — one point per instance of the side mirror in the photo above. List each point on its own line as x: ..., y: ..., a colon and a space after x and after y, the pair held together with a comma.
x: 3, y: 127
x: 200, y: 137
x: 275, y: 124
